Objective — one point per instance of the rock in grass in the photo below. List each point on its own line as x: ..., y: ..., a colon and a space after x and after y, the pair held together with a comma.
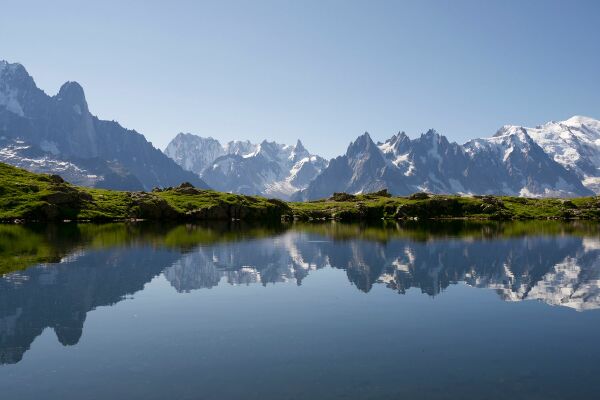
x: 341, y: 196
x: 419, y: 196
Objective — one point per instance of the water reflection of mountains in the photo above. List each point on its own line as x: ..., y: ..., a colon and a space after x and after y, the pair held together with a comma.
x: 82, y: 267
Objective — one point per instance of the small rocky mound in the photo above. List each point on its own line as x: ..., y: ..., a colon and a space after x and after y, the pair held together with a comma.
x: 63, y: 202
x: 419, y: 196
x: 568, y: 204
x: 224, y: 211
x: 493, y: 200
x: 65, y: 194
x: 380, y: 193
x: 187, y: 188
x: 341, y: 196
x: 149, y: 206
x: 453, y: 207
x: 55, y: 179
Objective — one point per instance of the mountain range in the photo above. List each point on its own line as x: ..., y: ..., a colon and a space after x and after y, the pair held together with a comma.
x: 512, y: 162
x: 557, y: 159
x: 58, y: 134
x: 267, y: 168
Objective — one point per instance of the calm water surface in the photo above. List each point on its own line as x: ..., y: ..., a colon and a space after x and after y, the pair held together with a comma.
x: 445, y: 311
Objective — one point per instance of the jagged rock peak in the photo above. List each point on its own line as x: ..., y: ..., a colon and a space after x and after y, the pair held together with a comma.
x: 72, y: 94
x: 363, y: 143
x: 431, y: 133
x: 401, y: 135
x: 70, y: 90
x: 299, y: 147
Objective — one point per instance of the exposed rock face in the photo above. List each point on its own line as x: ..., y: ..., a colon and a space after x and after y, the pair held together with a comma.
x: 269, y: 168
x: 58, y: 134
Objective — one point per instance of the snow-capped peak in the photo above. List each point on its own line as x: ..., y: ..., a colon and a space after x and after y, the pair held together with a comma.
x: 267, y: 168
x: 578, y: 120
x: 573, y: 143
x: 299, y: 147
x: 298, y: 152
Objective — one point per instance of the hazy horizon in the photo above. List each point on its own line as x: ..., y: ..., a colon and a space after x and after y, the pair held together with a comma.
x: 323, y: 72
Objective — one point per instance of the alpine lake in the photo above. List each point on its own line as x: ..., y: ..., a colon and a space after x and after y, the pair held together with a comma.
x: 415, y: 310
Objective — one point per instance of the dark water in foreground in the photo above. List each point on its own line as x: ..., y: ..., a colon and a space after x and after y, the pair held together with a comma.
x: 447, y: 311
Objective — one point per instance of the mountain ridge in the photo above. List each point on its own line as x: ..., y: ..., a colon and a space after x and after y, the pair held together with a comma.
x: 511, y: 163
x: 61, y: 130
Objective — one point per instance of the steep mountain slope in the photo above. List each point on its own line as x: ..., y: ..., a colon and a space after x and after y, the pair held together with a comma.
x: 60, y: 130
x: 510, y: 163
x: 520, y: 166
x: 268, y: 168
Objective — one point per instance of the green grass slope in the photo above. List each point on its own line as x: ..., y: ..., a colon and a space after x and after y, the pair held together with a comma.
x: 36, y: 197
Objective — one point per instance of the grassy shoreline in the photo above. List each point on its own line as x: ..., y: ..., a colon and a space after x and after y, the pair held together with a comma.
x: 26, y: 196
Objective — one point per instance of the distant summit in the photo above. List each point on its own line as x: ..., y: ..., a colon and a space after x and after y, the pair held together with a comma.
x: 267, y: 168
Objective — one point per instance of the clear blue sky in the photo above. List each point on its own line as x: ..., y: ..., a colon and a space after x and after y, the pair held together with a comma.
x: 323, y: 71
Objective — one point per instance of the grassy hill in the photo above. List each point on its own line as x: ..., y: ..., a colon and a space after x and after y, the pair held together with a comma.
x: 37, y: 197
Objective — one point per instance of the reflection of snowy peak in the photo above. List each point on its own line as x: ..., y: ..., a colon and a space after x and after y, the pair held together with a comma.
x: 267, y: 168
x: 573, y: 282
x: 561, y: 271
x: 239, y: 264
x: 570, y: 284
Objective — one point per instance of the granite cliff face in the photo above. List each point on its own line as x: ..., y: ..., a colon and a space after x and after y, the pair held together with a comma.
x: 58, y: 134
